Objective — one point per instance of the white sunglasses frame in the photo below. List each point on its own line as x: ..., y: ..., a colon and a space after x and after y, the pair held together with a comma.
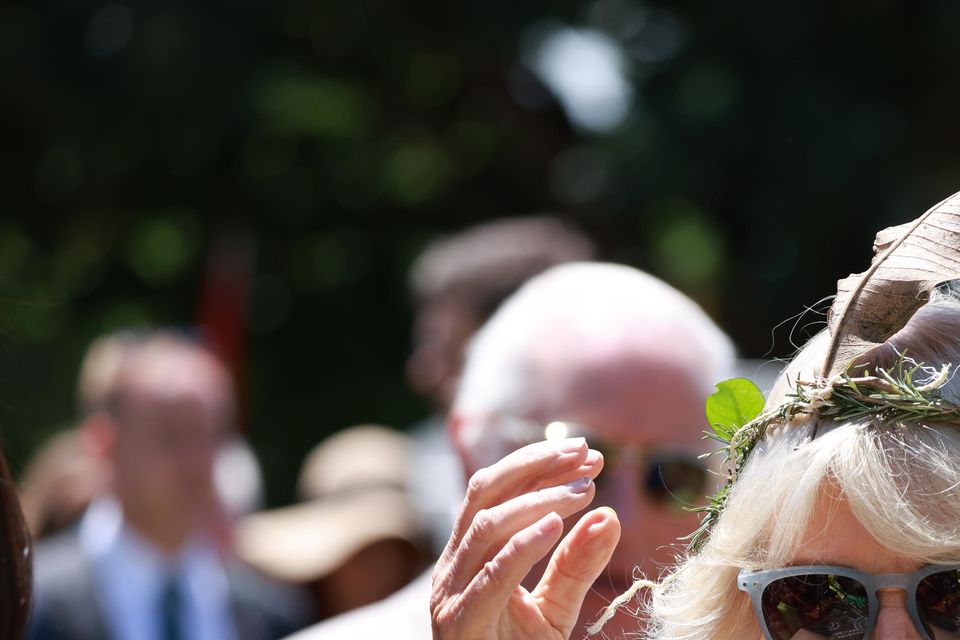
x: 754, y: 583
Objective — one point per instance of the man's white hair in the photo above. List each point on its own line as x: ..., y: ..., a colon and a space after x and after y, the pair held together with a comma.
x: 564, y: 320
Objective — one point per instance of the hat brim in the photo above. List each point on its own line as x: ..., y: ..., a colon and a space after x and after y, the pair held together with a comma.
x: 308, y: 541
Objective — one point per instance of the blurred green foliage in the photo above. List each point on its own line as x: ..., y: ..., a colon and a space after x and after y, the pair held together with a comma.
x: 763, y: 149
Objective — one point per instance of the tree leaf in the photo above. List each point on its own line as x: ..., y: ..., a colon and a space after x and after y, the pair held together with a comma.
x: 910, y: 261
x: 735, y: 403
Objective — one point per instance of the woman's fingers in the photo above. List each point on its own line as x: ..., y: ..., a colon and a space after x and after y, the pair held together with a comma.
x: 483, y: 601
x: 492, y: 528
x: 532, y: 467
x: 575, y: 565
x: 510, y: 519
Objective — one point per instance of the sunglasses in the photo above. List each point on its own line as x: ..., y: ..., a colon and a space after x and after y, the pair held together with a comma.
x: 669, y: 478
x: 836, y: 602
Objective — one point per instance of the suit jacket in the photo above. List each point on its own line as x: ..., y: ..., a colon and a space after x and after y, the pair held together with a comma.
x: 66, y: 606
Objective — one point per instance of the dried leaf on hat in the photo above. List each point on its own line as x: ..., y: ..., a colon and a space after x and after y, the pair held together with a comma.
x: 910, y: 261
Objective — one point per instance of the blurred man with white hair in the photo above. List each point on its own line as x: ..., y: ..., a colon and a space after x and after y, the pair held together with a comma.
x: 586, y: 349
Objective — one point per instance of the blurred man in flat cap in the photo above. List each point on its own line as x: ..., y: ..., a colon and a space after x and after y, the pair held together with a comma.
x: 457, y: 283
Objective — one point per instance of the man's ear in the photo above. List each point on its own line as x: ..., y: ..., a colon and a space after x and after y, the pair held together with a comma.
x: 455, y: 424
x: 98, y: 434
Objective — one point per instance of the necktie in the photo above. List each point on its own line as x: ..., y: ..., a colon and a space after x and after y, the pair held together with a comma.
x: 171, y: 605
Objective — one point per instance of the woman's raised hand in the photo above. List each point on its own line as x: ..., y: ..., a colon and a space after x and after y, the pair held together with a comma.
x: 510, y: 519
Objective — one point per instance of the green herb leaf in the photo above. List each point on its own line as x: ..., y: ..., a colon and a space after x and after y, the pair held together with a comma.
x: 735, y: 403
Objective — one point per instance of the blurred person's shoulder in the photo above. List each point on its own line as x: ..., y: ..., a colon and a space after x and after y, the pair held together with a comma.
x: 259, y: 602
x: 60, y: 566
x: 406, y: 614
x: 65, y: 602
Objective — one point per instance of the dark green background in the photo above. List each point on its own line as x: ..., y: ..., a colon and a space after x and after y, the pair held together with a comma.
x: 341, y: 135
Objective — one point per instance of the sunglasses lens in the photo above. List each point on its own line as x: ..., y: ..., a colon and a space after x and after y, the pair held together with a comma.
x: 677, y: 480
x: 938, y: 602
x: 815, y: 606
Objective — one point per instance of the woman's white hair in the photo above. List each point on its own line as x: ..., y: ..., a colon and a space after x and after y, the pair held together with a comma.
x: 562, y: 318
x: 901, y: 482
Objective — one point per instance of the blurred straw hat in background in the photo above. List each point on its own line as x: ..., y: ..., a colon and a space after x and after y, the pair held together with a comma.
x: 354, y: 492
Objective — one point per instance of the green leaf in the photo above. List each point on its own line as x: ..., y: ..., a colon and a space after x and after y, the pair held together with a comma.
x: 735, y: 403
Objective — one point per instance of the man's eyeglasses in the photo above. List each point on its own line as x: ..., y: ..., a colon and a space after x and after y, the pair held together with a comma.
x: 668, y: 477
x: 842, y: 603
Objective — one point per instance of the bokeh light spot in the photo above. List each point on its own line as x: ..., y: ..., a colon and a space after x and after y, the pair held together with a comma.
x: 314, y: 106
x: 415, y: 172
x: 688, y: 246
x: 330, y: 260
x: 108, y: 31
x: 707, y: 91
x: 160, y: 249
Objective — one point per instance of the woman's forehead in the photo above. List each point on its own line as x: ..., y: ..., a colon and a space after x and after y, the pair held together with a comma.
x: 835, y: 536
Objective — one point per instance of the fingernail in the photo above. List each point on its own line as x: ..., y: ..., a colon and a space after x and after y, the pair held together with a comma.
x: 571, y: 444
x: 580, y: 485
x: 548, y: 525
x: 593, y: 457
x: 599, y: 526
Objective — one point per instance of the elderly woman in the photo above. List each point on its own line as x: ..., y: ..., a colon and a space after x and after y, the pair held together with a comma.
x: 841, y: 515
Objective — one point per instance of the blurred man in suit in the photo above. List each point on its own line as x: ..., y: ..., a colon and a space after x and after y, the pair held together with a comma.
x: 142, y: 563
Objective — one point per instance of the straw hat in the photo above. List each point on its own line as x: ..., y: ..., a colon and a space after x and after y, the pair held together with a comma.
x: 354, y: 491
